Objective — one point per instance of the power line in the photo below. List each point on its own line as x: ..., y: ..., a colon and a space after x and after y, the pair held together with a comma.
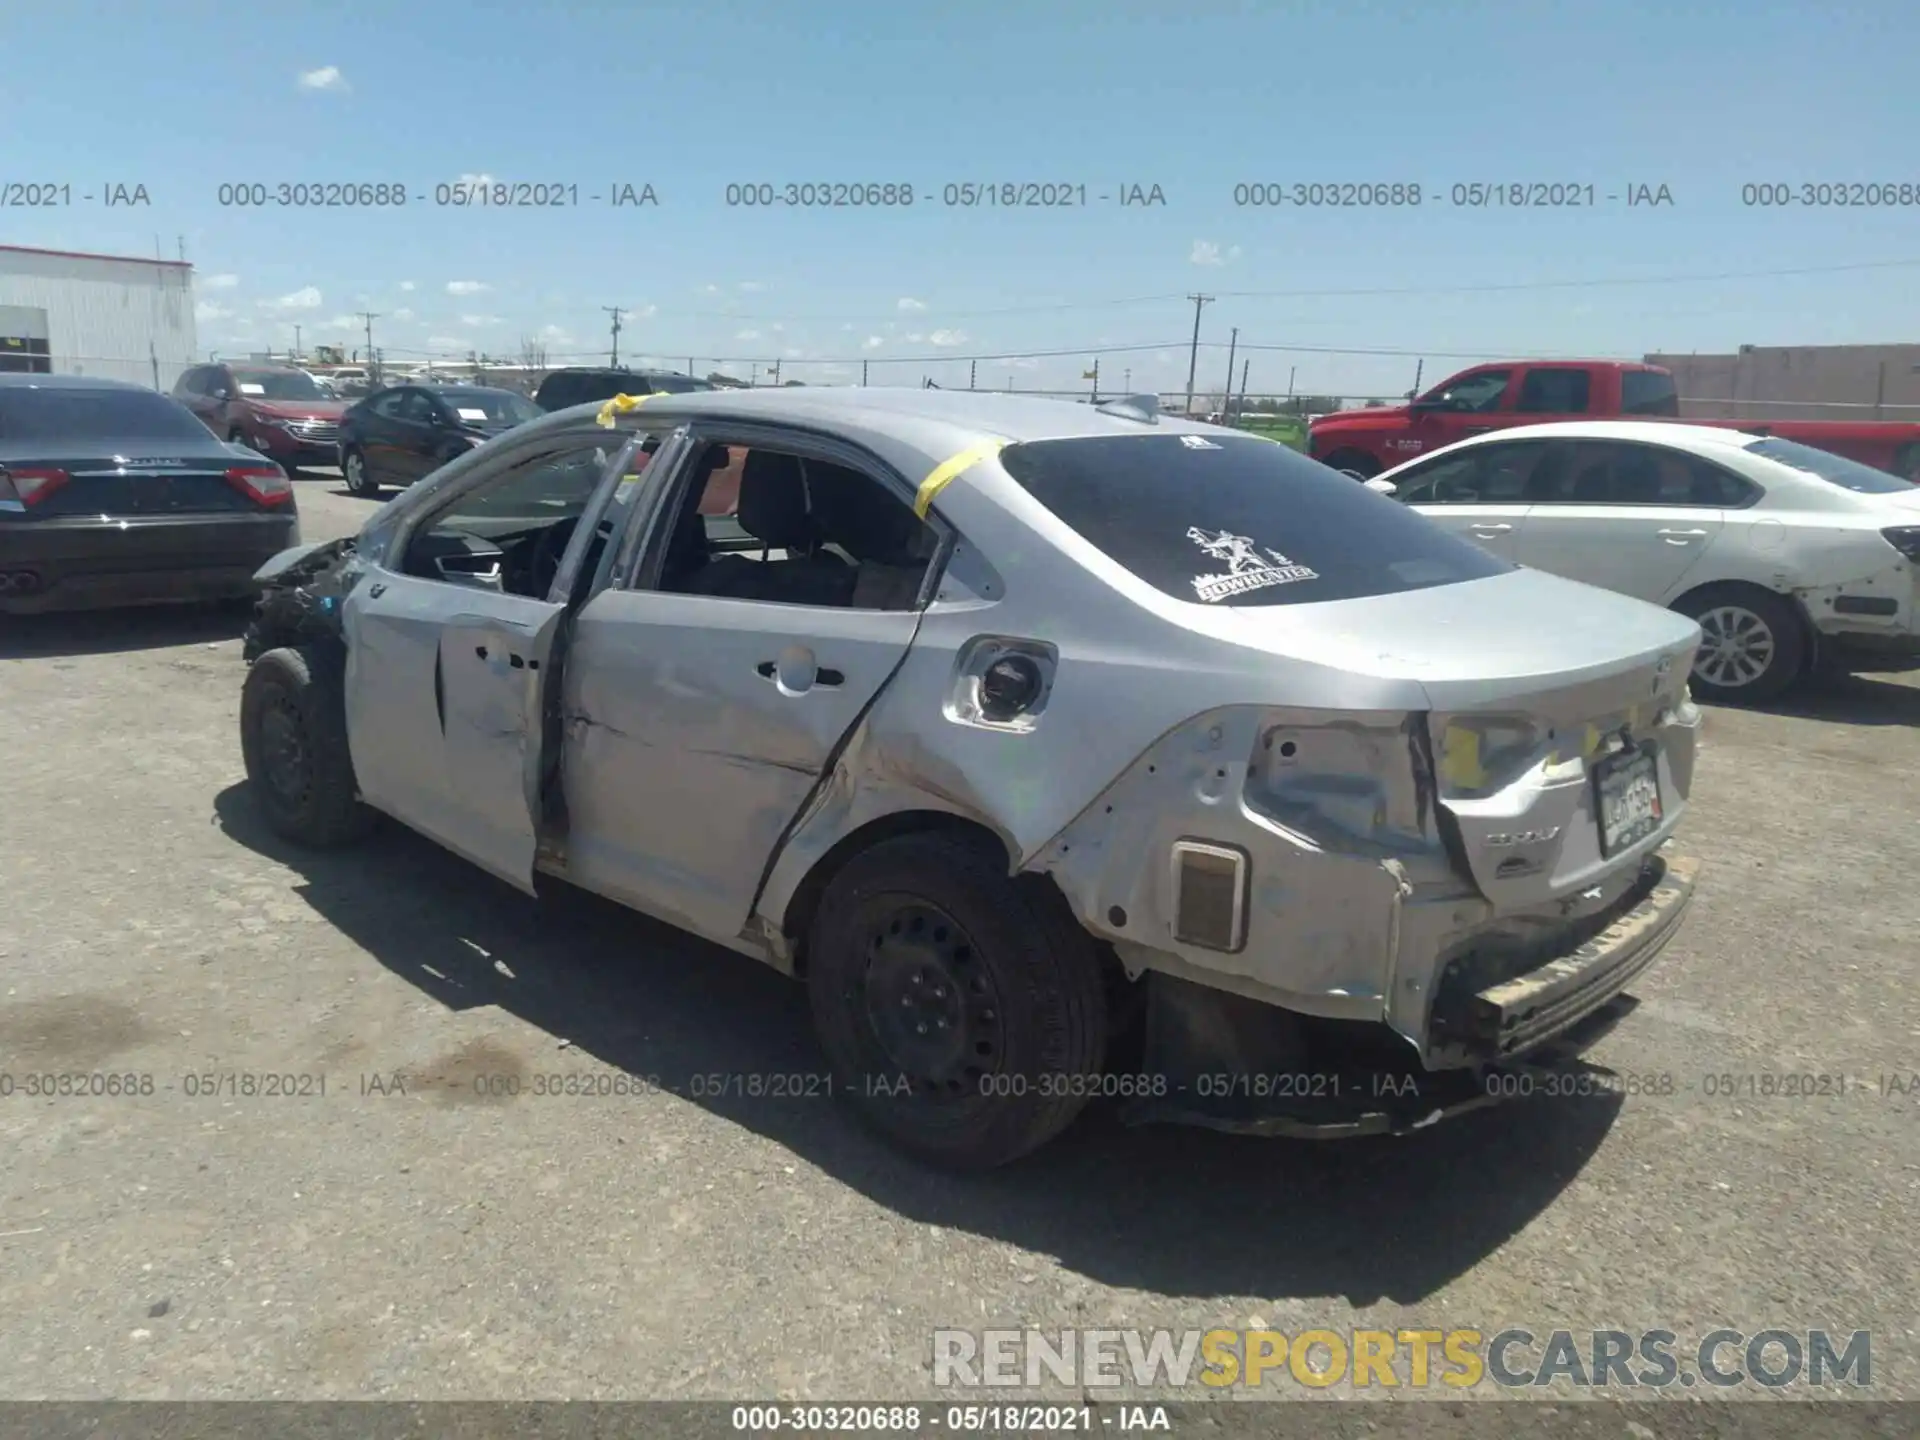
x: 1708, y: 277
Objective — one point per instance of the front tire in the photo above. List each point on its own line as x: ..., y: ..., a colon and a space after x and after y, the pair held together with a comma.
x: 963, y: 1012
x: 293, y: 737
x: 1753, y: 645
x: 360, y: 481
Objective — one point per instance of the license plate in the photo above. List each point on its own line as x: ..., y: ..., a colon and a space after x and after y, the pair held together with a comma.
x: 1628, y: 787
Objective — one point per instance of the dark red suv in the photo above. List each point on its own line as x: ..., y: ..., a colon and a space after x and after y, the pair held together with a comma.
x: 278, y: 410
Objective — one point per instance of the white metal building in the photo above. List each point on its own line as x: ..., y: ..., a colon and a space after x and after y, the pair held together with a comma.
x: 116, y: 316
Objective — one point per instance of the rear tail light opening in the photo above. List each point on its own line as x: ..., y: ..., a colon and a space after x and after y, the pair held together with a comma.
x: 263, y: 484
x: 23, y: 488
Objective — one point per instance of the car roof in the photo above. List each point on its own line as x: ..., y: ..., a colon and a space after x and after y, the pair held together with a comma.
x: 1703, y: 439
x: 907, y: 413
x: 20, y: 380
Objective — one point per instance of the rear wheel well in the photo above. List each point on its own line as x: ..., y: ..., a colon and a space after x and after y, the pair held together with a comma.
x: 1738, y: 587
x: 798, y: 920
x: 1126, y: 998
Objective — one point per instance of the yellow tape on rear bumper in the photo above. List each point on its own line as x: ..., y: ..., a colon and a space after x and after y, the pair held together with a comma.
x: 620, y: 405
x: 947, y: 471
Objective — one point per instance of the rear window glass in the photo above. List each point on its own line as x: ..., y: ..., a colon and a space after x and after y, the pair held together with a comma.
x: 676, y: 384
x: 63, y: 414
x: 1825, y: 465
x: 1648, y: 392
x: 1239, y: 521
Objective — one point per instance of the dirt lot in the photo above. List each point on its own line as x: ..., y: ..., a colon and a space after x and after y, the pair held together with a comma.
x: 404, y: 1235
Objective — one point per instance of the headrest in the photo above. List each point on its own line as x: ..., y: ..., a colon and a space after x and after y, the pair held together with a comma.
x: 773, y: 501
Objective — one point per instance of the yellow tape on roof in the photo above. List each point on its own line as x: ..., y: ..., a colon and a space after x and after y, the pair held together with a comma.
x: 620, y: 405
x: 947, y: 471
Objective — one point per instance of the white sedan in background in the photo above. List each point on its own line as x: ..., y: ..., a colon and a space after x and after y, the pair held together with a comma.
x: 1787, y: 556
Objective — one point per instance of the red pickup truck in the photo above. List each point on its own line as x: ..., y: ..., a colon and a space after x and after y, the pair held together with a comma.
x: 1532, y: 392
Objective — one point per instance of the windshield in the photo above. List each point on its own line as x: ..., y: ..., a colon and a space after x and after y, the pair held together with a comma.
x: 80, y: 415
x: 1239, y: 520
x: 1825, y: 465
x: 277, y: 385
x: 490, y: 407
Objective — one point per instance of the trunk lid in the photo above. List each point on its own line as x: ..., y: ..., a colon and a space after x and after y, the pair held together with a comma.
x: 115, y: 487
x: 1530, y: 684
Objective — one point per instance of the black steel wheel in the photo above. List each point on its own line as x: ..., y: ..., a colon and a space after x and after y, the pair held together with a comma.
x: 293, y: 738
x: 963, y: 1011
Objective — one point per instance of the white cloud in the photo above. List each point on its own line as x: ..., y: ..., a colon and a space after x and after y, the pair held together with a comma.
x: 776, y: 327
x: 466, y: 287
x: 747, y: 335
x: 327, y: 77
x: 907, y: 302
x: 340, y: 322
x: 873, y: 342
x: 306, y: 298
x: 795, y: 354
x: 406, y: 285
x: 643, y: 312
x: 219, y: 282
x: 1165, y: 357
x: 914, y: 337
x: 750, y: 286
x: 403, y: 314
x: 446, y: 342
x: 472, y: 178
x: 949, y: 337
x: 847, y: 326
x: 1208, y: 252
x: 1023, y: 363
x: 207, y: 310
x: 554, y: 335
x: 710, y: 290
x: 479, y: 322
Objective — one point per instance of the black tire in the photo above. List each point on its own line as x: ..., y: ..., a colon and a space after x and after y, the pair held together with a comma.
x: 1745, y: 626
x: 1355, y: 463
x: 1017, y: 978
x: 293, y: 737
x: 353, y: 465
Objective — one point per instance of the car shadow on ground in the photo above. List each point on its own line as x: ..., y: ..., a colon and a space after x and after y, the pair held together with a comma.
x: 1173, y: 1211
x: 1852, y: 700
x: 114, y: 632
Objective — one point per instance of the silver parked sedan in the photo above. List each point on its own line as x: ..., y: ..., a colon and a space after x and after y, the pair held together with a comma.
x: 1064, y: 752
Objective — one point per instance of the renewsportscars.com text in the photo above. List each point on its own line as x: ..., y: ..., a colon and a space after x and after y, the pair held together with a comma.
x: 1513, y: 1358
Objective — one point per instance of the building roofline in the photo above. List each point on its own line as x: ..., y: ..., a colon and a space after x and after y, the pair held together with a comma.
x: 89, y: 255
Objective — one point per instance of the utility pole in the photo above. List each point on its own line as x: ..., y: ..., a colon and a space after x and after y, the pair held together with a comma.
x: 863, y: 374
x: 1226, y: 400
x: 1292, y: 370
x: 1193, y: 354
x: 1419, y: 366
x: 296, y: 339
x: 689, y: 364
x: 753, y: 375
x: 1245, y: 365
x: 1126, y: 381
x: 153, y: 359
x: 776, y: 372
x: 369, y: 317
x: 1096, y: 379
x: 973, y: 373
x: 614, y: 311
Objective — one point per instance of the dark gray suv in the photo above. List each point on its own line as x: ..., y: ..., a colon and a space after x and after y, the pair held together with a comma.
x: 583, y: 386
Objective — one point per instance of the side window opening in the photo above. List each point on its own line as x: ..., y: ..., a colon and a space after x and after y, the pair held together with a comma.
x: 1485, y: 475
x: 1555, y: 392
x: 769, y: 525
x: 509, y: 534
x: 1476, y: 394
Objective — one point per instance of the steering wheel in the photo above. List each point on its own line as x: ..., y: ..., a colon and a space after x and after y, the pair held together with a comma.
x: 548, y: 551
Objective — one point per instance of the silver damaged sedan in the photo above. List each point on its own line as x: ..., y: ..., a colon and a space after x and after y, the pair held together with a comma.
x: 1065, y: 753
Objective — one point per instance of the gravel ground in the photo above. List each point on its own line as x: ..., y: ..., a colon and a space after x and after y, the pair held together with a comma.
x: 402, y: 1236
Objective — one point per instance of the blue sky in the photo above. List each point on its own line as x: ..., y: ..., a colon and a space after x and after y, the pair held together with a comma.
x: 1195, y: 98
